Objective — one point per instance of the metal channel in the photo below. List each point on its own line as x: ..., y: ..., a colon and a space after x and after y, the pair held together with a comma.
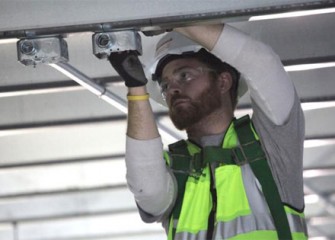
x: 147, y: 24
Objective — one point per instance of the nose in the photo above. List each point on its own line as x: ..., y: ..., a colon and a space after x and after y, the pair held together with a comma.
x: 174, y: 88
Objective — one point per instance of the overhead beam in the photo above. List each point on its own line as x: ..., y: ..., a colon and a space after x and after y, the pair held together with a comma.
x: 52, y: 87
x: 47, y: 162
x: 62, y: 177
x: 62, y: 142
x: 17, y: 129
x: 78, y: 16
x: 310, y: 37
x: 112, y: 226
x: 57, y: 205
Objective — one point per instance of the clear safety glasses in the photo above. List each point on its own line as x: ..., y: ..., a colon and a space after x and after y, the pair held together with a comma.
x: 182, y: 76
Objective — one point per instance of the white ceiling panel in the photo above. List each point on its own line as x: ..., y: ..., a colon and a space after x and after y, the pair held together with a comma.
x: 60, y: 177
x: 87, y: 227
x: 69, y: 203
x: 6, y: 232
x: 64, y: 142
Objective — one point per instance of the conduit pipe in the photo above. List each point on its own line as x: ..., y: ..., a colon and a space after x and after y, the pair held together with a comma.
x: 106, y: 95
x: 90, y: 85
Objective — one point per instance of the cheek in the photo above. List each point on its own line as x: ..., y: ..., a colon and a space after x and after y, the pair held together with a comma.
x: 196, y: 89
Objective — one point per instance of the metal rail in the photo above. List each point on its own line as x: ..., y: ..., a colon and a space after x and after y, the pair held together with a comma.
x: 239, y: 11
x: 106, y: 95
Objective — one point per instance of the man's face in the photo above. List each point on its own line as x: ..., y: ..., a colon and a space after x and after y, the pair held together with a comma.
x: 190, y: 90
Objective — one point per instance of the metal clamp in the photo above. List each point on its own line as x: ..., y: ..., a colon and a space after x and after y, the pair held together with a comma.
x: 107, y: 42
x: 42, y: 50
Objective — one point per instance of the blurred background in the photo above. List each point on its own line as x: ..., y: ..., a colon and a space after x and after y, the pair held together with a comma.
x: 62, y: 171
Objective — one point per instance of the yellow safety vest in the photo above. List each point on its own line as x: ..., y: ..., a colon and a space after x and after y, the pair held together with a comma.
x: 224, y: 208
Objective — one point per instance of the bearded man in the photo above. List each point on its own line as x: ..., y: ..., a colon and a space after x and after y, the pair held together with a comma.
x: 232, y: 178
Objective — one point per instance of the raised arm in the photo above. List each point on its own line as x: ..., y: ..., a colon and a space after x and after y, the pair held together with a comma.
x: 147, y: 175
x: 205, y: 35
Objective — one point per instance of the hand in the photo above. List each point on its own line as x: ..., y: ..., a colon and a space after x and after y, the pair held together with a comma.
x: 129, y: 67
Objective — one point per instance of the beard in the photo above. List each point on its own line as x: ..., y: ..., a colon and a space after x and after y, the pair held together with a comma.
x: 184, y: 117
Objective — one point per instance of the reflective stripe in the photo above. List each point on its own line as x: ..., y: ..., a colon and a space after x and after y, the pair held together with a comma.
x: 297, y: 223
x: 254, y: 192
x: 201, y: 235
x: 251, y: 223
x: 258, y: 203
x: 242, y: 225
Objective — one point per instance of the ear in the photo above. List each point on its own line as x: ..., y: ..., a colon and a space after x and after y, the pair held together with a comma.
x: 225, y: 81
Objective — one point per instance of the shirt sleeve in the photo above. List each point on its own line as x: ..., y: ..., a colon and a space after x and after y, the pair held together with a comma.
x: 278, y: 117
x: 148, y: 177
x: 269, y: 85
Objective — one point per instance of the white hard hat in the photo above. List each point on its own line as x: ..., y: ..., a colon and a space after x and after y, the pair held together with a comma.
x: 174, y: 43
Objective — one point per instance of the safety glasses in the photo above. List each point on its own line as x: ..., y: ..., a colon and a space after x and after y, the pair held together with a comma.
x: 182, y: 76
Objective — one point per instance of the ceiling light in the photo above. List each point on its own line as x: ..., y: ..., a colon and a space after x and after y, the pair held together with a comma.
x: 292, y: 14
x: 317, y: 105
x: 318, y: 238
x: 311, y: 199
x: 309, y: 66
x: 313, y: 173
x: 318, y: 143
x: 9, y: 40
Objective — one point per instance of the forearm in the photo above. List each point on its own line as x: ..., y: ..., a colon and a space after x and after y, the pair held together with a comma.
x: 147, y: 174
x: 141, y: 121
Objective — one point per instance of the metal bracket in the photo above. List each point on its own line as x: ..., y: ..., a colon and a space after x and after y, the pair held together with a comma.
x: 107, y: 42
x: 53, y: 51
x: 42, y: 50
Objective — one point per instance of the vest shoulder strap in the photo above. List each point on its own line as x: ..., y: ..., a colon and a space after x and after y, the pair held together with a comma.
x: 263, y: 173
x: 178, y: 146
x: 179, y: 162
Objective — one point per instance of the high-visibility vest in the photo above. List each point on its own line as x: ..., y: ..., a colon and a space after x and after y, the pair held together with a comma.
x: 241, y: 202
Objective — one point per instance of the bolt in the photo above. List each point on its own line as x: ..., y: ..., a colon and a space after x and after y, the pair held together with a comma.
x: 28, y: 47
x: 103, y: 41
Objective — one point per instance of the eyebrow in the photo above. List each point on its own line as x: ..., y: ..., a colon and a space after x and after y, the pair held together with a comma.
x: 178, y: 69
x: 181, y: 68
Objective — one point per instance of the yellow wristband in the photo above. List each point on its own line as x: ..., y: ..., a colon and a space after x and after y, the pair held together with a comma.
x: 138, y: 97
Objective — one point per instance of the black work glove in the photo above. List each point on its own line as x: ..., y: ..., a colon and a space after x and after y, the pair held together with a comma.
x: 129, y: 67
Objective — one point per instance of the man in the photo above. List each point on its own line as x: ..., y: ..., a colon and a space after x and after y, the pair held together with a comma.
x: 222, y: 183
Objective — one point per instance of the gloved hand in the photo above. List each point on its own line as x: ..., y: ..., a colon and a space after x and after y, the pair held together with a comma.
x: 129, y: 67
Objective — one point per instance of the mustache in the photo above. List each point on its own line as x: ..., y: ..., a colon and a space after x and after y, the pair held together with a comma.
x: 178, y: 97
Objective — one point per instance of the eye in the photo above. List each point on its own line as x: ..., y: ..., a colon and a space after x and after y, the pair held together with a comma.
x: 164, y: 86
x: 185, y: 75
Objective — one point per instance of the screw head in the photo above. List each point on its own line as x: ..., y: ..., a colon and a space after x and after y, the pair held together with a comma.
x: 104, y: 40
x: 28, y: 47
